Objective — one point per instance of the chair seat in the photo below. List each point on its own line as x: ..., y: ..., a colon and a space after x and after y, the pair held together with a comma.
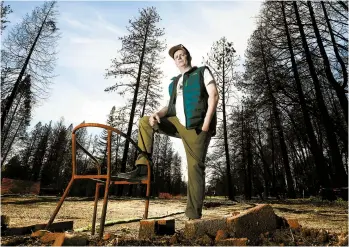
x: 116, y: 179
x: 130, y: 180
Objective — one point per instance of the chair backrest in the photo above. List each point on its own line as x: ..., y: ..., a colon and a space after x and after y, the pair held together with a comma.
x: 76, y: 144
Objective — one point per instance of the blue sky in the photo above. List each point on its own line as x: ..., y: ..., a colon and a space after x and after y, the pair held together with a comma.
x: 89, y: 40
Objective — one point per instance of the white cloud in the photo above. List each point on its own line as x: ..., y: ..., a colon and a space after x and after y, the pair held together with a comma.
x: 236, y: 22
x: 75, y: 105
x: 104, y: 25
x: 76, y: 24
x: 82, y: 40
x: 85, y: 53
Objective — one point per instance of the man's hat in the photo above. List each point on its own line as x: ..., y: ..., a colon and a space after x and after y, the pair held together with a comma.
x: 176, y: 48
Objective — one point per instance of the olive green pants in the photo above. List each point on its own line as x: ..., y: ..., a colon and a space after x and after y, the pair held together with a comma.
x: 195, y: 143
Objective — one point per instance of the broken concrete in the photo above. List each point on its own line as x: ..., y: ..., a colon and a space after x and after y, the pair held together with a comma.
x: 107, y: 236
x: 59, y: 240
x: 198, y: 228
x: 205, y: 240
x: 293, y: 224
x: 253, y: 222
x: 148, y: 229
x: 74, y: 240
x: 249, y: 224
x: 165, y: 227
x: 50, y: 237
x: 38, y: 234
x: 221, y: 235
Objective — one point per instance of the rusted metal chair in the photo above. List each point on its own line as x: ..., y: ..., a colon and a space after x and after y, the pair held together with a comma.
x: 102, y: 179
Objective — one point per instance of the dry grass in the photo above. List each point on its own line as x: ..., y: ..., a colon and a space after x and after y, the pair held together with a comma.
x: 33, y: 210
x: 24, y: 211
x: 329, y: 216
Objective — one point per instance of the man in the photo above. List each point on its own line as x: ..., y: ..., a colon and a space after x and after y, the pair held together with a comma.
x: 190, y: 115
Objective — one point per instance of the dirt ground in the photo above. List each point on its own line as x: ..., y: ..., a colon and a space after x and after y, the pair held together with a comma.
x: 28, y: 210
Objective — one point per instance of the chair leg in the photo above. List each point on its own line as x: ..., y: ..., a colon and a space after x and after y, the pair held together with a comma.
x: 104, y: 210
x: 147, y: 200
x: 60, y: 203
x: 95, y: 209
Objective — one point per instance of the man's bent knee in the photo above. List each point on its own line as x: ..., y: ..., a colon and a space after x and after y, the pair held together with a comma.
x: 144, y: 120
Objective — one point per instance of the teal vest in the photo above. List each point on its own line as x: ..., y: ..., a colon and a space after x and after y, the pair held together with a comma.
x: 195, y: 99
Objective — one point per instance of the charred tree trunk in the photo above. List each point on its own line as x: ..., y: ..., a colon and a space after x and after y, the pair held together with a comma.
x: 6, y: 131
x: 317, y: 153
x: 273, y: 157
x: 134, y: 103
x: 116, y: 152
x: 339, y: 172
x: 146, y: 94
x: 142, y: 114
x: 339, y: 89
x: 226, y: 145
x: 13, y: 94
x: 143, y: 110
x: 248, y: 189
x: 290, y: 186
x: 266, y: 171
